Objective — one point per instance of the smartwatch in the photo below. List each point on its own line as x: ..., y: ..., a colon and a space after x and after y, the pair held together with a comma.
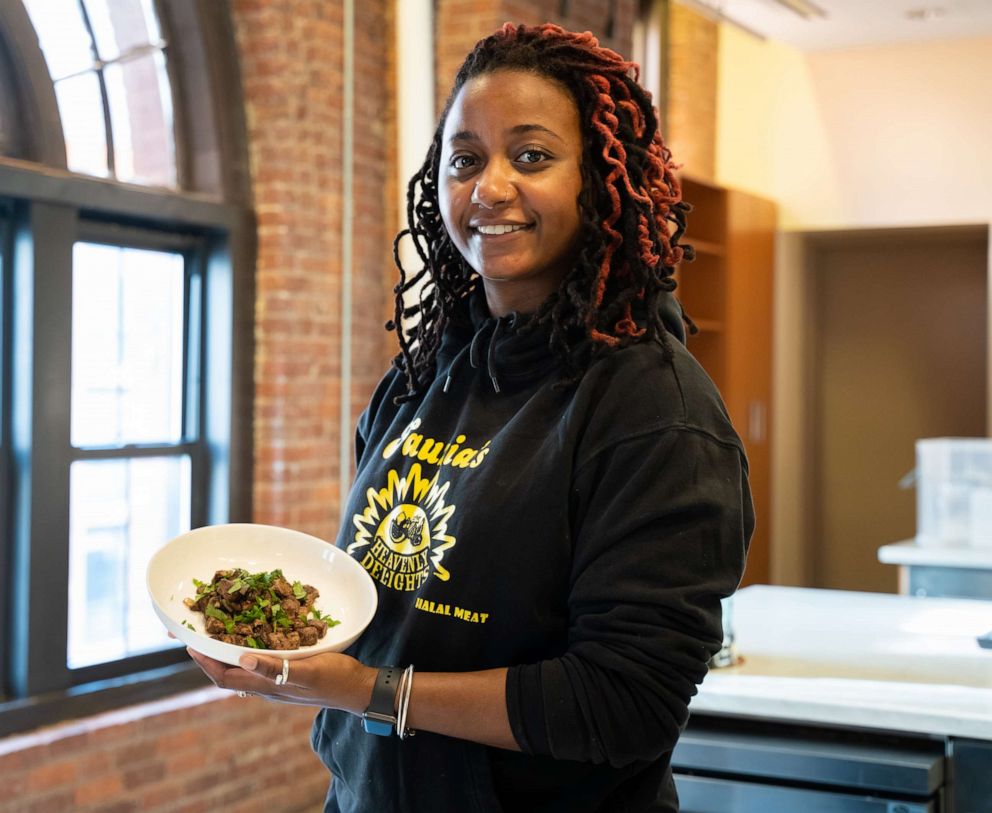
x: 380, y: 717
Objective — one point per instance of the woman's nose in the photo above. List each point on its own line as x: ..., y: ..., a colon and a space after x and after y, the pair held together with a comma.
x: 493, y: 188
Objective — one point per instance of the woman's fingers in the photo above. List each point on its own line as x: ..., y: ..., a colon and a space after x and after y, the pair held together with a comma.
x: 320, y: 680
x: 266, y: 666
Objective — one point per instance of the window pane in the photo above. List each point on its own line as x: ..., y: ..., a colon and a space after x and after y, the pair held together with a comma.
x: 127, y: 346
x: 62, y: 33
x: 81, y: 108
x: 120, y: 513
x: 138, y: 92
x: 120, y: 25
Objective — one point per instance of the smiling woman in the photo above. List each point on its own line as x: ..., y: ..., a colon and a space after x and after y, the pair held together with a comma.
x: 549, y: 496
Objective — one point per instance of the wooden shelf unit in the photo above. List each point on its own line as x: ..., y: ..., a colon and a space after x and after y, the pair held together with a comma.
x: 727, y: 291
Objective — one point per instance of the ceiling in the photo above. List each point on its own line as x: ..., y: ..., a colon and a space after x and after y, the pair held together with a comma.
x: 851, y: 23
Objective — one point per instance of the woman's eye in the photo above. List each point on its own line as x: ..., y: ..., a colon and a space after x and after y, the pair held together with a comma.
x: 461, y: 161
x: 533, y: 156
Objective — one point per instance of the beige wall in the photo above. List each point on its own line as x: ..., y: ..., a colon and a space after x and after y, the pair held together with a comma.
x: 871, y: 136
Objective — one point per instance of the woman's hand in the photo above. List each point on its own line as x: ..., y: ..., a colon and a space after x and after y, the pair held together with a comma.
x: 466, y: 705
x: 329, y: 680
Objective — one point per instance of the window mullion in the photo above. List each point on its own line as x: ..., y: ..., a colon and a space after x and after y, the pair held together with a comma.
x: 133, y: 452
x: 42, y: 311
x: 107, y: 125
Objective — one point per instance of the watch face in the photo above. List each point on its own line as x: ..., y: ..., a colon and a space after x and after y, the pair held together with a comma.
x: 380, y: 727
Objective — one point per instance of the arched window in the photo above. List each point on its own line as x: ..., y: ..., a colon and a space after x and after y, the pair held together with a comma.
x: 106, y: 59
x: 125, y: 333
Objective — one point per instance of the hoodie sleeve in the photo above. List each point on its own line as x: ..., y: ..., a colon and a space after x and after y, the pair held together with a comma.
x: 661, y: 527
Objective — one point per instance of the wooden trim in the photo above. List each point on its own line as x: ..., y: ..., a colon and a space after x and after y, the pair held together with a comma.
x: 42, y: 125
x: 96, y: 196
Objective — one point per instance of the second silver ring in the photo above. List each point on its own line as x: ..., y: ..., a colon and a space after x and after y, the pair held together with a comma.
x: 281, y: 679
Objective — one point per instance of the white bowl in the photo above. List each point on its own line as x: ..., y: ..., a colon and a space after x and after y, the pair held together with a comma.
x: 347, y: 592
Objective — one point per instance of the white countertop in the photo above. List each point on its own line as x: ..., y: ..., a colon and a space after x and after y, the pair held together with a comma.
x: 871, y: 660
x: 908, y: 552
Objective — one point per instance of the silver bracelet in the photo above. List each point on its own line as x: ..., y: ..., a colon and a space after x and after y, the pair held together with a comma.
x: 406, y: 686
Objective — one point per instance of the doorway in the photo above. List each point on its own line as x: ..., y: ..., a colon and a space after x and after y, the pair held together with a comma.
x: 896, y: 348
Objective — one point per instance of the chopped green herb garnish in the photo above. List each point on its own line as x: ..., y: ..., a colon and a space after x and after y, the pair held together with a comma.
x: 256, y: 611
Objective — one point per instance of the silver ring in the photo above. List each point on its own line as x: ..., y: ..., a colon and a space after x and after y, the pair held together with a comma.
x: 242, y: 694
x: 281, y: 679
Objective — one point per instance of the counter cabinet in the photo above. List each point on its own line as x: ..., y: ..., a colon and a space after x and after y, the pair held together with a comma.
x: 735, y: 765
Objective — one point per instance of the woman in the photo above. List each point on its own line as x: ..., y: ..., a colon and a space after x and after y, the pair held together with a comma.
x: 549, y: 493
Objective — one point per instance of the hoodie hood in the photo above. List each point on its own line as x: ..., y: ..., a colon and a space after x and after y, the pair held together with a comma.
x: 509, y: 348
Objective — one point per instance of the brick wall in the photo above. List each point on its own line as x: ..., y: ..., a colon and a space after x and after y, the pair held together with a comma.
x: 187, y: 754
x: 692, y: 76
x: 459, y: 24
x: 292, y: 70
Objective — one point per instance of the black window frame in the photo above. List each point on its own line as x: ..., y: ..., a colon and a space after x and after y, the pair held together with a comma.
x: 49, y: 210
x: 49, y: 217
x: 6, y: 212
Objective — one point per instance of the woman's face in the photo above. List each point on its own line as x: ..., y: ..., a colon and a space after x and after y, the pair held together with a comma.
x: 509, y: 184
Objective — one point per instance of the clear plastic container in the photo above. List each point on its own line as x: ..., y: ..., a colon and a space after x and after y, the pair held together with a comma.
x: 954, y: 492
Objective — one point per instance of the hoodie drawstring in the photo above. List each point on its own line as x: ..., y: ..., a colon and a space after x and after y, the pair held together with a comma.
x: 495, y: 329
x: 491, y: 355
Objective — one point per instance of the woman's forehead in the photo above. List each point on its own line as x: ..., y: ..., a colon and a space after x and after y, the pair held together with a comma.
x: 506, y: 101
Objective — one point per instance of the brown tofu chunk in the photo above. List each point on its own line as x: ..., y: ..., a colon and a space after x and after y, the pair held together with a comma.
x: 282, y: 588
x: 276, y: 640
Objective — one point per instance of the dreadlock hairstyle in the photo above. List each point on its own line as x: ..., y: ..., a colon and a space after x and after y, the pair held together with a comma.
x: 631, y: 207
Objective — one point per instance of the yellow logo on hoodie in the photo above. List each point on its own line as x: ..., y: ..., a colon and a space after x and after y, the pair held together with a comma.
x: 405, y: 528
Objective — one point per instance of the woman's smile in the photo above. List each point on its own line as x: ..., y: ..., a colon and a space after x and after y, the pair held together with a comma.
x: 499, y: 229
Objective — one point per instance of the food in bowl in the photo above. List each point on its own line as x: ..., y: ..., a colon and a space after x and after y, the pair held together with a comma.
x: 259, y: 610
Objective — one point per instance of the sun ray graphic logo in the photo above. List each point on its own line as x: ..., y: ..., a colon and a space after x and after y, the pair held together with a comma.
x: 405, y: 530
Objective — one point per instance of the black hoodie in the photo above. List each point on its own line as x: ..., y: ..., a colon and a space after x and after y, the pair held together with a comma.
x: 582, y: 537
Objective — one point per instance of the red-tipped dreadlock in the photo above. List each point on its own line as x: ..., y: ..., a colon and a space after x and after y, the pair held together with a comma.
x: 631, y: 204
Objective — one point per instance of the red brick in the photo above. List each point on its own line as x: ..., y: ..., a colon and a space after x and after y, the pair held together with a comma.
x: 101, y: 789
x: 143, y: 774
x: 49, y: 803
x: 51, y: 774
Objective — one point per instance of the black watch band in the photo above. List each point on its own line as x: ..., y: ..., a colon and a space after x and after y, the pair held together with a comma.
x: 380, y: 717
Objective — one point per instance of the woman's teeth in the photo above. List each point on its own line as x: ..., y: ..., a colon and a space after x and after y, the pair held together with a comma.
x: 498, y: 229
